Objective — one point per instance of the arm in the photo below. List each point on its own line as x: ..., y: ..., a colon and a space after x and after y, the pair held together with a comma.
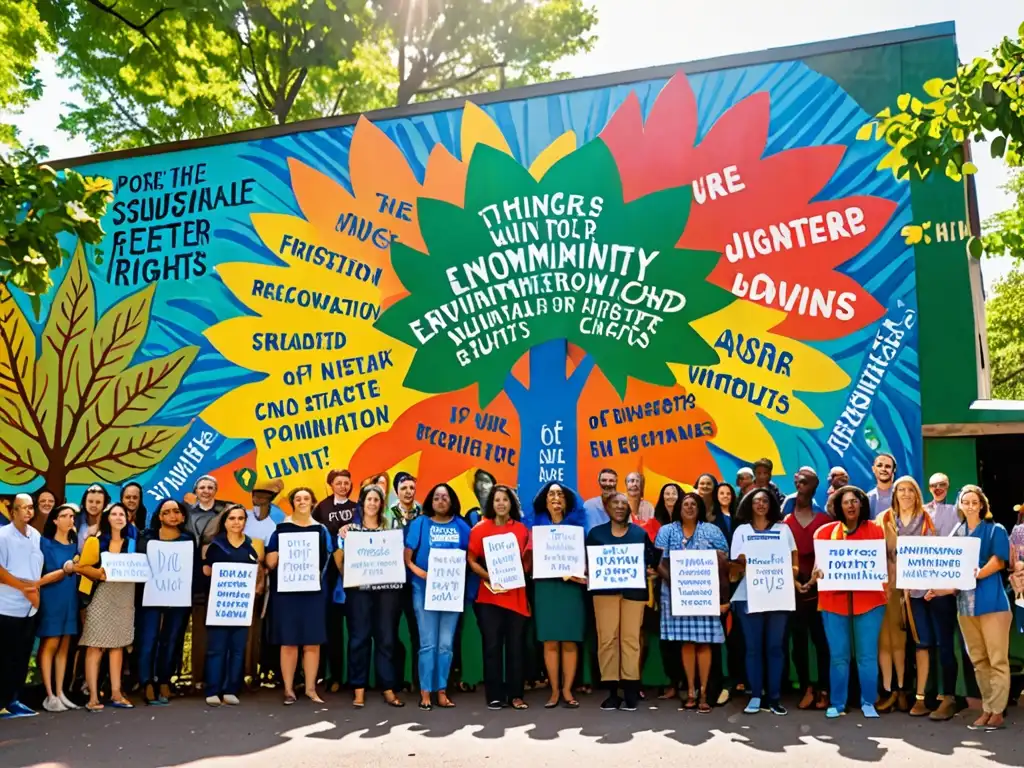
x: 339, y: 560
x: 271, y: 561
x: 474, y: 565
x: 994, y: 565
x: 415, y: 569
x: 663, y: 570
x: 52, y: 577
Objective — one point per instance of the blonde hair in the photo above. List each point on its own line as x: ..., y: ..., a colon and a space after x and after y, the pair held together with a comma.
x: 986, y: 508
x: 918, y: 496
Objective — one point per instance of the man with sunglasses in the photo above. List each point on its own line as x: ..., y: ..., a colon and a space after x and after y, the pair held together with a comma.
x: 943, y: 513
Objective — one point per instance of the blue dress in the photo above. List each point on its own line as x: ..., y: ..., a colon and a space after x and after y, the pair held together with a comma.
x: 300, y: 618
x: 58, y: 602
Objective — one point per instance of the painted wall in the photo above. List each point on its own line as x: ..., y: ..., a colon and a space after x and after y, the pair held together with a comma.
x: 679, y: 276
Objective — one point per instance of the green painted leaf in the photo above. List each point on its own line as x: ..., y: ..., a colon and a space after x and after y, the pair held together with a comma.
x: 114, y: 455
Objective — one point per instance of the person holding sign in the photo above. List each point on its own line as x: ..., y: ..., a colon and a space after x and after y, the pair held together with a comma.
x: 161, y: 627
x: 297, y: 555
x: 441, y: 526
x: 761, y: 530
x: 665, y: 511
x: 501, y: 611
x: 619, y: 613
x: 849, y: 614
x: 558, y: 604
x: 110, y: 617
x: 373, y: 609
x: 688, y: 531
x: 225, y: 644
x: 984, y: 611
x: 58, y: 604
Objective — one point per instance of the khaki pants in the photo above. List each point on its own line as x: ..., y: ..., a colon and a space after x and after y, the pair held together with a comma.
x: 893, y: 637
x: 988, y: 643
x: 618, y: 636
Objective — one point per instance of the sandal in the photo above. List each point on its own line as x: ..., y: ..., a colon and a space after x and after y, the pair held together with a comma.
x: 443, y: 701
x: 392, y: 700
x: 314, y: 698
x: 571, y: 704
x: 551, y: 703
x: 519, y: 704
x: 464, y: 687
x: 426, y: 706
x: 359, y: 699
x: 94, y: 708
x: 691, y: 701
x: 289, y: 699
x: 703, y: 708
x: 668, y: 695
x: 121, y: 703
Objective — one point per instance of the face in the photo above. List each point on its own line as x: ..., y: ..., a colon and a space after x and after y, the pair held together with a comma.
x: 47, y: 501
x: 302, y: 501
x: 206, y: 490
x: 261, y: 499
x: 442, y: 501
x: 850, y: 505
x: 93, y: 503
x: 705, y: 486
x: 762, y: 475
x: 689, y: 509
x: 884, y: 468
x: 803, y: 482
x: 760, y: 505
x: 618, y: 508
x: 371, y: 504
x: 407, y: 491
x: 555, y: 499
x: 131, y: 498
x: 502, y: 504
x: 744, y: 481
x: 234, y: 523
x: 939, y: 486
x: 170, y: 515
x: 840, y: 479
x: 608, y: 481
x: 118, y: 519
x: 725, y: 496
x: 342, y: 486
x: 65, y: 520
x: 970, y: 504
x: 671, y: 497
x: 482, y: 487
x: 633, y: 484
x: 24, y: 509
x: 906, y: 496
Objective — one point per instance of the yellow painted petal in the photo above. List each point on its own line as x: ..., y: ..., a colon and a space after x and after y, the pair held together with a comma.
x: 479, y: 128
x: 555, y: 151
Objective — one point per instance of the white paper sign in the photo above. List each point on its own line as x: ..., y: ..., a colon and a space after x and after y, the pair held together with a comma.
x: 171, y: 583
x: 446, y: 580
x: 126, y: 567
x: 374, y: 557
x: 504, y: 561
x: 558, y: 552
x: 694, y: 585
x: 232, y: 595
x: 855, y: 566
x: 769, y: 576
x: 937, y: 562
x: 616, y: 566
x: 298, y: 565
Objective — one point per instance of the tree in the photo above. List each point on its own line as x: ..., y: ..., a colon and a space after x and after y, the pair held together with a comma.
x: 1004, y: 231
x: 1005, y: 319
x: 23, y: 36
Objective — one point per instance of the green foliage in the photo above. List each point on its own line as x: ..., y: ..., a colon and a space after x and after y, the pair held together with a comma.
x: 1004, y: 231
x: 1005, y: 319
x: 23, y: 36
x: 640, y: 236
x: 37, y: 205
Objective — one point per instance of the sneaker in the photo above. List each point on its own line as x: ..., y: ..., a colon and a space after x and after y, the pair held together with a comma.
x: 231, y: 700
x: 778, y: 709
x: 611, y: 704
x: 494, y: 706
x: 53, y: 704
x: 213, y: 701
x: 68, y: 703
x: 833, y: 713
x: 869, y: 711
x: 18, y: 709
x: 753, y: 706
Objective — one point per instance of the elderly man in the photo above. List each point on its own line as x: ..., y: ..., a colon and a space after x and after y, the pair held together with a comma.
x: 837, y: 478
x: 943, y: 513
x: 641, y: 509
x: 21, y: 566
x: 744, y: 480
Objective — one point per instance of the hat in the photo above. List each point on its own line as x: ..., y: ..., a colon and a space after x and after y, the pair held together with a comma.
x: 273, y: 487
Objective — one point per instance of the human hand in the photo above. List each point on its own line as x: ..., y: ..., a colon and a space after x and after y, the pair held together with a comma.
x: 103, y: 574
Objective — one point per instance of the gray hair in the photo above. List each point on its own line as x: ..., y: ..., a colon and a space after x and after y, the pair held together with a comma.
x: 211, y: 478
x: 744, y: 472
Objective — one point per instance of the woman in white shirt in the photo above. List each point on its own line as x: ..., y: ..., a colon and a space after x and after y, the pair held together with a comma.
x: 760, y: 518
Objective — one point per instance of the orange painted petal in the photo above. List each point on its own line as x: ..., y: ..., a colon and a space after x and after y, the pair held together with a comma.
x: 320, y: 197
x: 445, y: 178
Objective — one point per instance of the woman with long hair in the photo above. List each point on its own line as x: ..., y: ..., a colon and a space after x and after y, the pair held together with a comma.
x: 373, y: 611
x: 707, y: 488
x: 110, y: 617
x: 984, y: 611
x: 501, y: 613
x: 665, y: 511
x: 45, y: 501
x: 58, y: 604
x: 161, y: 629
x: 559, y: 612
x: 131, y: 498
x: 696, y: 634
x: 441, y: 526
x: 299, y: 618
x: 87, y: 524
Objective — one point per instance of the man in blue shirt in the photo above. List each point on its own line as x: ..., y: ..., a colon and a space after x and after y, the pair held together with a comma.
x: 884, y: 470
x: 594, y: 509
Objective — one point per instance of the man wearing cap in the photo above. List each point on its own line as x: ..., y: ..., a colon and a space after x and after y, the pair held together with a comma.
x: 744, y: 481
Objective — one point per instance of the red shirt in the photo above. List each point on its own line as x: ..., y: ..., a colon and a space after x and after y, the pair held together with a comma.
x: 651, y: 527
x: 844, y: 603
x: 804, y: 538
x: 513, y: 599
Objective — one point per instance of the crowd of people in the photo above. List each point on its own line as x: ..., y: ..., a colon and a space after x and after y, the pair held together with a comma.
x: 97, y: 637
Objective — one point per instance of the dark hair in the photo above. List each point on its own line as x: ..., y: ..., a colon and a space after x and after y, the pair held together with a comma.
x: 573, y: 508
x: 702, y: 512
x: 733, y: 504
x: 141, y: 515
x: 661, y: 511
x: 363, y: 493
x: 887, y: 455
x: 105, y: 530
x: 745, y: 510
x: 333, y: 475
x: 41, y: 491
x: 607, y: 471
x: 95, y: 488
x: 154, y: 523
x: 514, y: 513
x: 401, y: 477
x: 301, y: 488
x: 835, y: 503
x: 50, y: 527
x: 764, y: 463
x: 222, y: 518
x: 714, y: 482
x: 428, y: 503
x: 484, y: 473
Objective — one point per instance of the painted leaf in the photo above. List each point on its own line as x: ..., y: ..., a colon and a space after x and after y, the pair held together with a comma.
x: 20, y: 433
x: 118, y: 337
x: 118, y: 453
x: 21, y: 457
x: 778, y: 248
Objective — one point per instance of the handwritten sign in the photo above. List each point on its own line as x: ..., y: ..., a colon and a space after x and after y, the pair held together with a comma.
x: 694, y: 583
x: 374, y: 557
x: 171, y: 583
x: 558, y: 552
x: 936, y: 562
x: 127, y: 567
x: 855, y: 566
x: 446, y: 580
x: 616, y: 566
x: 504, y: 561
x: 232, y: 595
x: 769, y: 576
x: 298, y: 567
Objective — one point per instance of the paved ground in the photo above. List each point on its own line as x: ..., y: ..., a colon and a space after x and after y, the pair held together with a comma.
x: 261, y: 733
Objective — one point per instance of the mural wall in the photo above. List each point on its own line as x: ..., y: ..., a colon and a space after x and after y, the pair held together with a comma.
x: 677, y: 276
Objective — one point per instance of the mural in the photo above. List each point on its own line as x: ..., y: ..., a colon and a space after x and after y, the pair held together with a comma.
x: 674, y: 276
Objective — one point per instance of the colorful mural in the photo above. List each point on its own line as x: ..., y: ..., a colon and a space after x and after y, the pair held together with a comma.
x: 675, y: 276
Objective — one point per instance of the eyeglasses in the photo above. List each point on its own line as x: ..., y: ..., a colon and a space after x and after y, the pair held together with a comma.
x: 939, y: 485
x: 556, y: 493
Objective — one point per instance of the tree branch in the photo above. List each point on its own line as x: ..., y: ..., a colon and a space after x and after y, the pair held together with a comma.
x: 461, y: 79
x: 1009, y: 377
x: 110, y: 10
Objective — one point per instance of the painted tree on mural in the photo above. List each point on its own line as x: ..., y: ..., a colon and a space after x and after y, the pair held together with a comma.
x: 73, y: 408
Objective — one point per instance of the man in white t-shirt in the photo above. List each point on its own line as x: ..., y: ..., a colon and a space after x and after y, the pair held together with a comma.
x: 21, y: 566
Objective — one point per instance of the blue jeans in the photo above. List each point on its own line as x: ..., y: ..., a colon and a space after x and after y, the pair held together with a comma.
x: 160, y: 633
x: 764, y: 633
x: 225, y: 657
x: 866, y: 629
x: 437, y: 635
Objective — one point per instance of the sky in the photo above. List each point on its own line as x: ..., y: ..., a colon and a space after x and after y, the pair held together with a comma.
x: 642, y: 33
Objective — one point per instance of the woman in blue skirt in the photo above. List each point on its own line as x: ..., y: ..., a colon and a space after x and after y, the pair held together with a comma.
x: 58, y: 604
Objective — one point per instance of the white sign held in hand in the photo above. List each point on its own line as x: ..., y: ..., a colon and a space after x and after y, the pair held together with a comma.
x: 132, y: 567
x: 232, y: 595
x: 374, y: 557
x: 937, y: 562
x: 694, y: 584
x: 559, y: 552
x: 851, y: 566
x: 298, y: 565
x: 504, y: 562
x: 171, y: 583
x: 617, y: 566
x: 446, y: 580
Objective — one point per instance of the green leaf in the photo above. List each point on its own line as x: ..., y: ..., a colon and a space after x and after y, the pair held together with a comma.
x: 998, y: 146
